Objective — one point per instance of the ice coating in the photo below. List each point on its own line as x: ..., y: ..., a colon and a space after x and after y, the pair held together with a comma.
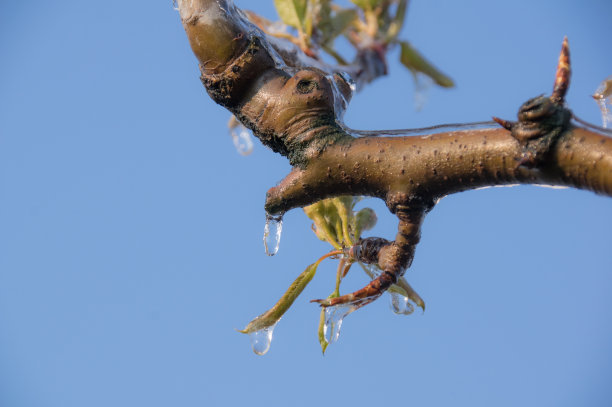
x: 424, y: 131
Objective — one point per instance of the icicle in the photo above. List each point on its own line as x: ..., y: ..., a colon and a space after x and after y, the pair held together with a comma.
x: 422, y: 86
x: 400, y: 304
x: 603, y: 97
x: 335, y: 314
x: 272, y: 233
x: 241, y: 136
x: 333, y: 320
x: 260, y: 340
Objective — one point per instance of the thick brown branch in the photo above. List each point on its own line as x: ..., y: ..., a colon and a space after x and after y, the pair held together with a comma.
x: 430, y: 167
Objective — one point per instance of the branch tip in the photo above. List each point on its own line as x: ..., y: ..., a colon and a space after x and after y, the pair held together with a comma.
x: 506, y: 124
x: 562, y: 77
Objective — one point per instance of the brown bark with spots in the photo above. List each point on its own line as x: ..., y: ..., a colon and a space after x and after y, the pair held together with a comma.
x: 293, y: 105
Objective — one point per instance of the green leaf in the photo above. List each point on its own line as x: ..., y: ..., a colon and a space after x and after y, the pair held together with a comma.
x: 321, y: 331
x: 325, y: 221
x: 365, y: 219
x: 339, y: 23
x: 416, y: 62
x: 366, y: 4
x: 274, y: 314
x: 292, y: 12
x: 344, y: 207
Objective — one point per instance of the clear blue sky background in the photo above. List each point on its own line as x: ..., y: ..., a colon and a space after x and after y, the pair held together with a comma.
x: 130, y: 229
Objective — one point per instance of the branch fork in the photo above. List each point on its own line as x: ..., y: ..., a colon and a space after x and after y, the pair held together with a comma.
x: 296, y: 110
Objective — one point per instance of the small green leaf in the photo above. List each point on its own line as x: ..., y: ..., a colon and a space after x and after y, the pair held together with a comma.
x: 397, y: 22
x: 325, y: 221
x: 344, y: 207
x: 274, y: 314
x: 365, y: 219
x: 339, y: 23
x: 321, y: 331
x: 414, y: 61
x: 292, y: 12
x: 366, y: 4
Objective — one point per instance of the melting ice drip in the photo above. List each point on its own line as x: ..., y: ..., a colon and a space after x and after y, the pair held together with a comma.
x: 260, y: 340
x: 334, y: 316
x: 272, y: 233
x: 422, y: 85
x: 241, y: 136
x: 400, y: 304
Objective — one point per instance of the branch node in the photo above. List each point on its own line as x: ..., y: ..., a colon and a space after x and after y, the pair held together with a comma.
x: 541, y: 123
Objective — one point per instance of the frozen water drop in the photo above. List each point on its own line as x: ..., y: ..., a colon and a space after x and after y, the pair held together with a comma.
x: 603, y: 97
x: 422, y: 85
x: 241, y: 137
x: 334, y: 316
x: 400, y: 304
x: 260, y: 340
x: 272, y: 233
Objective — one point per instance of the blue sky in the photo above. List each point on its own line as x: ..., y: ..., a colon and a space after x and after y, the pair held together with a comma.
x: 130, y: 229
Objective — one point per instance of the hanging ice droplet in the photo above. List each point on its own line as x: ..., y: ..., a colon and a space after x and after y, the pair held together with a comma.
x: 603, y: 97
x: 241, y: 136
x: 272, y: 233
x: 334, y: 316
x: 260, y: 340
x: 422, y: 85
x: 400, y: 304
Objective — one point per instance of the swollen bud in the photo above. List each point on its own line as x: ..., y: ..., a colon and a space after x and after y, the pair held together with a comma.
x: 365, y: 219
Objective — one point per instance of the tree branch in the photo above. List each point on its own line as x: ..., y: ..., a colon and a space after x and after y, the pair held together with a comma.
x: 296, y: 109
x: 427, y: 168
